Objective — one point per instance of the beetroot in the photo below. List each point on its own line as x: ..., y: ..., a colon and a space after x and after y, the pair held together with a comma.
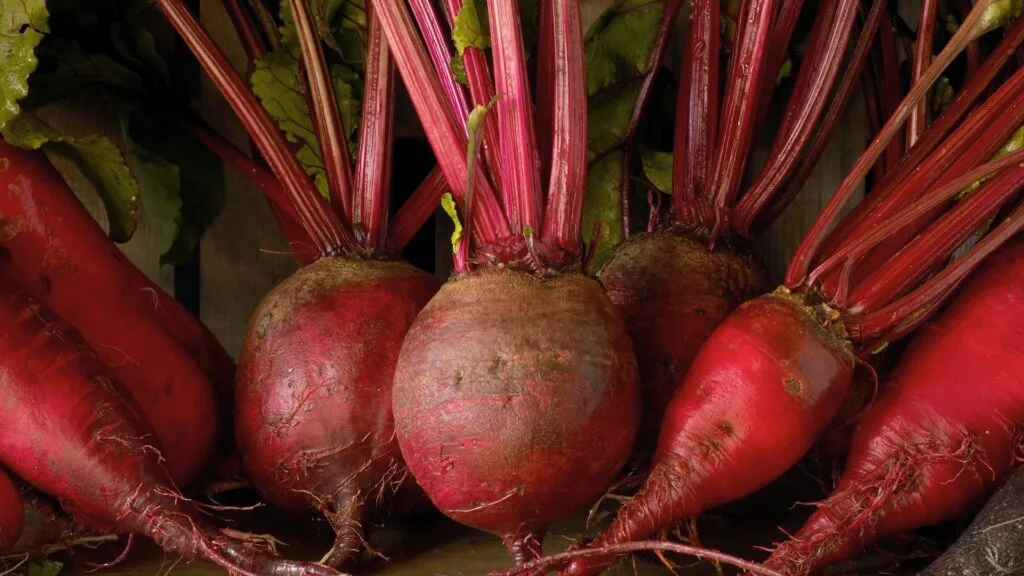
x: 520, y: 366
x: 501, y: 380
x: 53, y: 246
x: 313, y: 404
x: 773, y: 375
x: 68, y: 428
x: 773, y: 360
x: 944, y: 433
x: 674, y: 285
x: 313, y: 390
x: 672, y: 292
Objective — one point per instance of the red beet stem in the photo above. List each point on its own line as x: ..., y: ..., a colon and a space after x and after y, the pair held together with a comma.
x: 256, y: 45
x: 520, y: 184
x: 328, y: 233
x: 807, y: 162
x: 979, y: 137
x: 934, y: 136
x: 850, y: 253
x: 481, y: 92
x: 376, y: 136
x: 937, y: 243
x: 778, y: 45
x: 419, y: 207
x: 889, y: 86
x: 241, y: 20
x: 976, y: 24
x: 909, y: 312
x: 814, y: 83
x: 330, y: 130
x: 438, y: 46
x: 975, y: 140
x: 974, y: 48
x: 446, y: 138
x: 922, y: 56
x: 569, y: 138
x: 696, y: 129
x: 738, y: 113
x: 824, y: 23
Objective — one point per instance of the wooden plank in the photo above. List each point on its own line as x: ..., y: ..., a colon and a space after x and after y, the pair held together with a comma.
x: 243, y: 255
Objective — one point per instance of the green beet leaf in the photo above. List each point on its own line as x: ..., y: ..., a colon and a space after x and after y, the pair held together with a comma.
x: 99, y: 159
x: 23, y: 24
x: 276, y: 82
x: 617, y: 48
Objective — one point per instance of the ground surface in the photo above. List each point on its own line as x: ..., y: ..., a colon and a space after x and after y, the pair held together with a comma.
x: 435, y: 546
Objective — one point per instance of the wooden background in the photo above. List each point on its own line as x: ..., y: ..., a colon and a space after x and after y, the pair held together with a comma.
x: 242, y: 256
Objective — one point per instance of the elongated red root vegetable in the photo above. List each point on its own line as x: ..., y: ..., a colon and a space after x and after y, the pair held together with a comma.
x: 674, y: 285
x: 313, y: 414
x: 772, y: 376
x: 150, y: 342
x: 12, y: 513
x: 68, y: 428
x: 945, y: 433
x: 66, y: 233
x: 520, y: 365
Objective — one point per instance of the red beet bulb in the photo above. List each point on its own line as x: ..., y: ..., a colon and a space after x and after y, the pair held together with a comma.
x: 520, y: 365
x: 313, y: 414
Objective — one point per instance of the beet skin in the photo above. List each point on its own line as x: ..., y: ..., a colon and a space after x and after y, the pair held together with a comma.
x: 313, y: 397
x: 761, y: 391
x: 72, y: 431
x: 516, y: 400
x: 672, y: 292
x: 150, y: 343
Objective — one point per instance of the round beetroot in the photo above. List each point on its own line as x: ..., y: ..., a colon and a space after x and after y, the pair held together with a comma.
x: 313, y: 397
x: 672, y: 292
x: 516, y: 400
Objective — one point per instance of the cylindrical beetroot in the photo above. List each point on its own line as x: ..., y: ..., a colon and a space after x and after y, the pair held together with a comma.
x: 760, y: 392
x: 945, y: 431
x: 48, y: 239
x: 313, y: 398
x: 12, y: 513
x: 165, y: 357
x: 516, y: 400
x: 71, y: 430
x: 672, y: 292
